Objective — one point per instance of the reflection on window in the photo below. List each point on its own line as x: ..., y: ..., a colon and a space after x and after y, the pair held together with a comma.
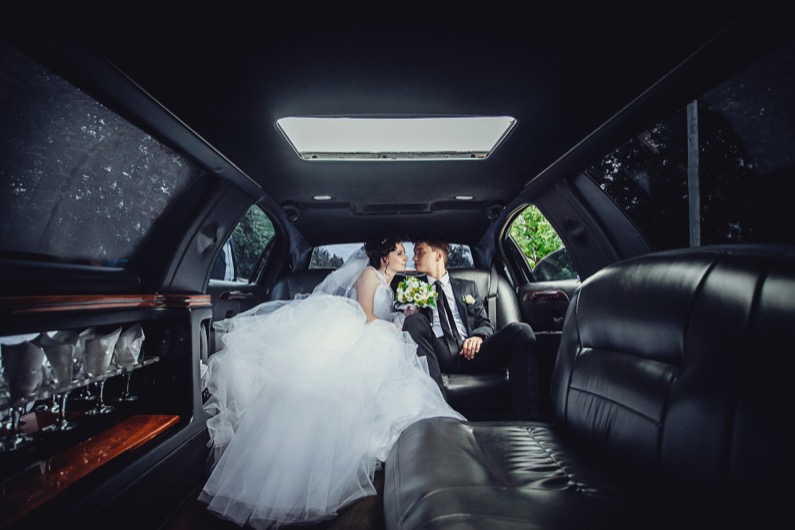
x: 79, y: 184
x: 745, y: 145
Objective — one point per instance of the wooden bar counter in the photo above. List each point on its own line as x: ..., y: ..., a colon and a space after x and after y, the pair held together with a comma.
x: 29, y: 489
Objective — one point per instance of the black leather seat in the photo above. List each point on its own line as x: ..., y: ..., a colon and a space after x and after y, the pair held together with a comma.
x: 671, y: 407
x: 488, y: 395
x: 292, y: 285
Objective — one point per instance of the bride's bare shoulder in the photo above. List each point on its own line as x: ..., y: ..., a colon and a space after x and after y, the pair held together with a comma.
x: 368, y: 275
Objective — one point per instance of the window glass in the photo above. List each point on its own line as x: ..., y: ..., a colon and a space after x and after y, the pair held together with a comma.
x: 332, y: 256
x: 71, y: 171
x: 383, y: 139
x: 745, y: 137
x: 240, y: 254
x: 541, y: 246
x: 460, y: 257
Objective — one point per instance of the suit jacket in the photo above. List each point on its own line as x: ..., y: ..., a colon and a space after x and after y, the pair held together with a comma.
x: 474, y: 315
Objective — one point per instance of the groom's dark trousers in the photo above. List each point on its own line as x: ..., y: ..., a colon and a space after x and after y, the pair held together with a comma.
x: 513, y: 345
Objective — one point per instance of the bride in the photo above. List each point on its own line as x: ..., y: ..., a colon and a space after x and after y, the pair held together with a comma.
x: 308, y: 396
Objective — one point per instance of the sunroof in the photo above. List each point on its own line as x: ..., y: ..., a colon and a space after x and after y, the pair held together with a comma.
x: 431, y: 138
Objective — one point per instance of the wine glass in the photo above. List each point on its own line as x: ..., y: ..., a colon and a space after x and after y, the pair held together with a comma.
x: 61, y: 357
x: 128, y: 351
x: 22, y: 364
x: 98, y: 354
x: 84, y: 394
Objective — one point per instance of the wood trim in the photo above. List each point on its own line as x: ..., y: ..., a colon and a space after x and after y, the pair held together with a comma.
x: 30, y: 489
x: 17, y: 305
x: 187, y: 300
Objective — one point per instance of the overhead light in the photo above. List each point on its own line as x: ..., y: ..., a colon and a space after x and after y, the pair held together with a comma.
x: 390, y: 138
x: 322, y: 197
x: 464, y: 197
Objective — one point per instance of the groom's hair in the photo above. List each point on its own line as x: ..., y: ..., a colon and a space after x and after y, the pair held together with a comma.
x: 434, y: 240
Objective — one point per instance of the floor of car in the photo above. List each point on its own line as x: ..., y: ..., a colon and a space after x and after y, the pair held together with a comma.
x: 364, y: 514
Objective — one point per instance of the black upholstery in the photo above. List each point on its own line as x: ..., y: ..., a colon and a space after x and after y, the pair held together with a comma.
x: 671, y: 407
x: 288, y: 287
x: 480, y: 396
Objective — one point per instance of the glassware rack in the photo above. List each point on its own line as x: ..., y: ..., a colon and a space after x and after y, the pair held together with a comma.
x: 49, y: 390
x: 48, y: 454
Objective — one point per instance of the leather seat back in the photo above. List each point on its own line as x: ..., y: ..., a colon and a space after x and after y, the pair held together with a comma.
x: 506, y: 306
x: 304, y: 282
x: 677, y: 367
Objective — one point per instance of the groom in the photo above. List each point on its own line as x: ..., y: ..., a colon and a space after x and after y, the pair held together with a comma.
x: 458, y: 337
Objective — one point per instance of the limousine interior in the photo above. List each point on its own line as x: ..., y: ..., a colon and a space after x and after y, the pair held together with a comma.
x: 619, y: 179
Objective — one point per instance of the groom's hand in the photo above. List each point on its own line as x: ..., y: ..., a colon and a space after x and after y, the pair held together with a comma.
x: 471, y: 347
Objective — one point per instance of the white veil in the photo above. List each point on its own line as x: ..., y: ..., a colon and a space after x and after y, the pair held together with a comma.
x: 341, y: 281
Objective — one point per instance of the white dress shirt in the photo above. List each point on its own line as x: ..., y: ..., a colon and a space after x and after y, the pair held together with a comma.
x: 448, y: 291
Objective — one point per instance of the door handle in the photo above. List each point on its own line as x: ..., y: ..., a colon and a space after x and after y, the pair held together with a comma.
x: 547, y: 295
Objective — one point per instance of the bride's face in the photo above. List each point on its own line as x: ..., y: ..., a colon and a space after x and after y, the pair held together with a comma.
x: 396, y: 260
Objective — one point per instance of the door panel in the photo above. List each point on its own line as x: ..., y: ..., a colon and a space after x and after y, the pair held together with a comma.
x: 230, y: 299
x: 544, y: 304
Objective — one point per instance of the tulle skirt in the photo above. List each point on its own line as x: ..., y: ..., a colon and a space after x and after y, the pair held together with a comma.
x: 307, y: 398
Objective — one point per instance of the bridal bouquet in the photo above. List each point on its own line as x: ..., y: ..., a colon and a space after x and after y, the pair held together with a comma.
x: 413, y: 292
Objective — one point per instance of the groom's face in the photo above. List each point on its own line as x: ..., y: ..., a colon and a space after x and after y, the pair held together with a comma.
x: 426, y: 259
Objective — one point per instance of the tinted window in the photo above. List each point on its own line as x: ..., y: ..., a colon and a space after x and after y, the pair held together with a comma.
x: 332, y: 256
x: 541, y: 246
x: 241, y: 253
x: 743, y: 132
x: 79, y: 183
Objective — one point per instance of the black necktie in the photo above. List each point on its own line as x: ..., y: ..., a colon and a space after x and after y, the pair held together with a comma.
x: 451, y: 336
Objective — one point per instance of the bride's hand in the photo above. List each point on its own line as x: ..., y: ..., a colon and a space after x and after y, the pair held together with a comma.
x: 411, y: 311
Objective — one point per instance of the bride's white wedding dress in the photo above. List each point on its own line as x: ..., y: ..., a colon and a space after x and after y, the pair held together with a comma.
x: 306, y: 400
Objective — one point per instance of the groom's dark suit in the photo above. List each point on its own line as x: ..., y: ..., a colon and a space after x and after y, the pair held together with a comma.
x: 513, y: 345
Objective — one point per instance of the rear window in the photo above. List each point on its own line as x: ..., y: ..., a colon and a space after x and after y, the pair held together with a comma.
x: 719, y: 170
x: 79, y: 183
x: 332, y: 256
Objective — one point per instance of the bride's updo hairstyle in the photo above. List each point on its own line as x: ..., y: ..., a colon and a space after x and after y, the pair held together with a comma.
x: 379, y: 247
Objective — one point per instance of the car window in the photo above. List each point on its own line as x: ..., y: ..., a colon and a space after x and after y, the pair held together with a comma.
x: 543, y: 250
x: 75, y: 171
x: 240, y: 255
x: 719, y: 170
x: 332, y: 256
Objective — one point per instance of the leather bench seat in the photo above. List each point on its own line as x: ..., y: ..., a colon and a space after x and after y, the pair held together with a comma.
x: 671, y: 407
x: 448, y: 474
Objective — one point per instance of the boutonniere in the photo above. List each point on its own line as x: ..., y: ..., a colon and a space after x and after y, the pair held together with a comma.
x: 468, y: 299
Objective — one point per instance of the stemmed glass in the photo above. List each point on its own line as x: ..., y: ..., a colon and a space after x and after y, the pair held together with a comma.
x: 22, y: 365
x: 128, y: 351
x: 84, y: 394
x: 98, y: 354
x: 61, y: 357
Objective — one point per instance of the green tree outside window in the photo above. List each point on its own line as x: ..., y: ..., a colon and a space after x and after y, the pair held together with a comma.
x: 251, y: 235
x: 538, y: 240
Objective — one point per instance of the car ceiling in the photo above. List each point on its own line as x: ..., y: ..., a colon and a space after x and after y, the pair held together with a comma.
x: 561, y: 73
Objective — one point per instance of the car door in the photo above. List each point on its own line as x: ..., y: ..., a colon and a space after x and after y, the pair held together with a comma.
x: 236, y: 281
x: 545, y: 280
